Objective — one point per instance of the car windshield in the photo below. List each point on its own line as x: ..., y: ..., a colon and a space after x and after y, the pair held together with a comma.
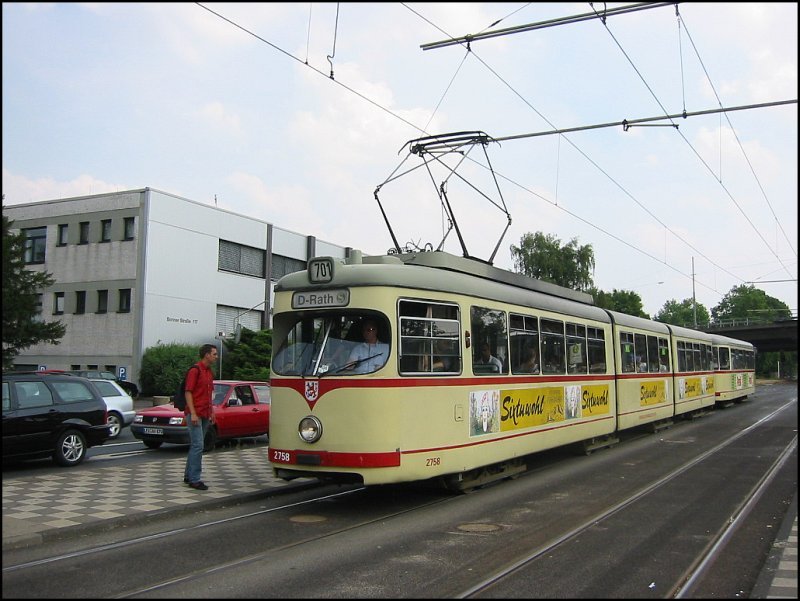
x: 220, y: 390
x: 331, y: 344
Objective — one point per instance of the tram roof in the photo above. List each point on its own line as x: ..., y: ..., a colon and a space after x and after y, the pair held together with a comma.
x: 718, y: 339
x: 444, y: 272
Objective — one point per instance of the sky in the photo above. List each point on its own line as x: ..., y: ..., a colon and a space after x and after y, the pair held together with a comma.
x: 305, y: 114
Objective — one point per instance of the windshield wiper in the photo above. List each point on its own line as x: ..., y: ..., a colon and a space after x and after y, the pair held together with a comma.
x: 350, y: 365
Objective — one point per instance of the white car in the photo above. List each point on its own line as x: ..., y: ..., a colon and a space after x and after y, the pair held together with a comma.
x: 118, y: 402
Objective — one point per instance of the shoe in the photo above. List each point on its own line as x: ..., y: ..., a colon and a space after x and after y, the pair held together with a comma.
x: 185, y: 480
x: 199, y: 485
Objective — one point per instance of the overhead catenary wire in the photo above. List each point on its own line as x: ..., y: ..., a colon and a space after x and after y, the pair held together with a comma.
x: 500, y: 175
x: 694, y: 150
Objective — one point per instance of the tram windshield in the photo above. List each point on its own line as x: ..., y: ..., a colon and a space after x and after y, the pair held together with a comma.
x: 328, y: 344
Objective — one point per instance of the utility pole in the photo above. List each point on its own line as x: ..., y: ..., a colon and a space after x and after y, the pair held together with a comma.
x: 694, y: 300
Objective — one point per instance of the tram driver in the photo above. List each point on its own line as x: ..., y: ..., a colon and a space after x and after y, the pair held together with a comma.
x: 370, y: 354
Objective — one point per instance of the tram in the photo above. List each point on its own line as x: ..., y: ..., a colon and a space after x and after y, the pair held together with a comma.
x: 427, y: 366
x: 735, y: 362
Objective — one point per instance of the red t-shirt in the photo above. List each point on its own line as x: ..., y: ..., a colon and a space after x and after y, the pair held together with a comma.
x: 200, y: 382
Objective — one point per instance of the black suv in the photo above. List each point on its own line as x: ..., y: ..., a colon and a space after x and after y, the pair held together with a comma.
x: 51, y: 414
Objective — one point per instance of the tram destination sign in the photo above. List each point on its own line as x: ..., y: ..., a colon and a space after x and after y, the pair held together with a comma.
x: 320, y: 298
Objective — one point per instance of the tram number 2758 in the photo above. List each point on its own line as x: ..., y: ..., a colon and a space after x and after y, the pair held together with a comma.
x: 431, y: 461
x: 282, y: 456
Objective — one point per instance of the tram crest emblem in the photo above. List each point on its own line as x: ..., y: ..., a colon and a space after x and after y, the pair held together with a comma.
x: 312, y: 391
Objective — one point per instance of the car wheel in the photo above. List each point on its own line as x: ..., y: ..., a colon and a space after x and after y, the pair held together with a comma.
x: 152, y: 444
x: 70, y: 448
x: 210, y: 440
x: 115, y: 421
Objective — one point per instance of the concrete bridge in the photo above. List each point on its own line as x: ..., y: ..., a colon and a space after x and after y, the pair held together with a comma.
x: 767, y: 337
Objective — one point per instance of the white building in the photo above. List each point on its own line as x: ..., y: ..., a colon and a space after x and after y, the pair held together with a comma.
x: 137, y: 268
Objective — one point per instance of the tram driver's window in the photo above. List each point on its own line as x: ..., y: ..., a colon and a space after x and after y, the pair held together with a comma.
x: 489, y: 336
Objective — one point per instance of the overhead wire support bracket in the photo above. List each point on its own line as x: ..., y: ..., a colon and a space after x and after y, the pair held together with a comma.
x: 468, y: 39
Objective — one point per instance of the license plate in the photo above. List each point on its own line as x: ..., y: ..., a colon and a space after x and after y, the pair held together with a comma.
x: 158, y: 431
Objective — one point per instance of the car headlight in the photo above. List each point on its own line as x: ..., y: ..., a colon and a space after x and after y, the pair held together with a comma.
x: 176, y: 421
x: 310, y: 429
x: 138, y: 419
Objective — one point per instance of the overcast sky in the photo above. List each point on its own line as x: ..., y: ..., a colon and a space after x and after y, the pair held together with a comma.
x: 296, y: 113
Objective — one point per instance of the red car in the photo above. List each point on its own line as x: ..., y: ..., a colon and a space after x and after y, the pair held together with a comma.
x: 241, y: 409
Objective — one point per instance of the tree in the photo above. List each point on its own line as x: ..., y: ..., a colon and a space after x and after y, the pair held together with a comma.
x: 249, y: 358
x: 682, y: 314
x: 22, y: 325
x: 748, y: 302
x: 542, y: 257
x: 623, y: 301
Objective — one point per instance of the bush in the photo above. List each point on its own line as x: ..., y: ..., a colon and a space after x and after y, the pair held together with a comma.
x: 163, y: 367
x: 249, y: 358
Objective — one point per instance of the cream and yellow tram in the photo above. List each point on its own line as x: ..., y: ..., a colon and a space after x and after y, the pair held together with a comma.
x: 472, y: 369
x: 694, y: 368
x: 644, y: 372
x: 735, y: 363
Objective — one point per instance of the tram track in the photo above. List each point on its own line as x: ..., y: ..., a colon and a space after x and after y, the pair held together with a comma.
x: 398, y: 541
x: 685, y: 584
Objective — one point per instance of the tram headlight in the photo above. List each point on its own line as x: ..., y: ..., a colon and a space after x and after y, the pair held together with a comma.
x: 310, y: 429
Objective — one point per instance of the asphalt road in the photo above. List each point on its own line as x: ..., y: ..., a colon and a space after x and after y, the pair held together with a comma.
x: 407, y: 541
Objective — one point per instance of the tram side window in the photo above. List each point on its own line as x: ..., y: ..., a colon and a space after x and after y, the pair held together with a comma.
x: 597, y: 350
x: 724, y: 358
x: 576, y: 348
x: 627, y: 355
x: 429, y: 338
x: 709, y: 358
x: 640, y: 348
x: 714, y: 358
x: 553, y: 347
x: 699, y: 356
x: 524, y: 335
x: 489, y: 337
x: 663, y: 355
x: 652, y: 354
x: 683, y: 365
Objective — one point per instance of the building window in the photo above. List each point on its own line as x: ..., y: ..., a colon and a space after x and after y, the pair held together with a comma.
x: 38, y: 303
x: 58, y: 303
x: 105, y: 230
x: 84, y: 232
x: 241, y: 259
x: 129, y: 223
x: 35, y: 244
x: 282, y: 265
x: 124, y: 300
x: 102, y: 301
x: 63, y: 230
x: 80, y: 302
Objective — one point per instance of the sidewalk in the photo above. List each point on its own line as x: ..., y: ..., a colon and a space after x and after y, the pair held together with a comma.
x: 41, y: 508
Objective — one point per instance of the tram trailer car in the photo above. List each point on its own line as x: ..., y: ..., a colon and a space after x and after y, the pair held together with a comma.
x: 378, y: 373
x: 734, y: 368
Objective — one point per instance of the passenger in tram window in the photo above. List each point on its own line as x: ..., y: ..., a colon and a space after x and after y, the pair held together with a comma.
x: 442, y: 361
x: 370, y: 354
x: 530, y: 361
x: 486, y: 358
